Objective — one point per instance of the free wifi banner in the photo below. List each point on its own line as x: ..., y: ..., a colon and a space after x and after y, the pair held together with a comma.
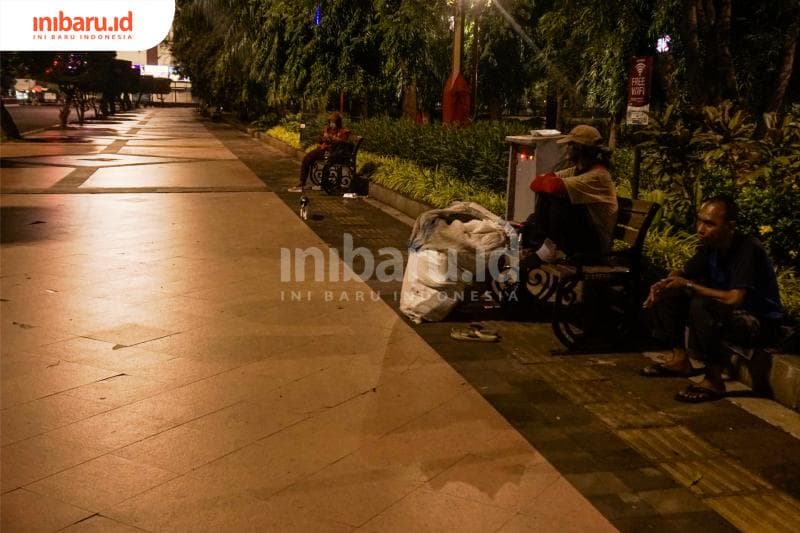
x: 118, y: 25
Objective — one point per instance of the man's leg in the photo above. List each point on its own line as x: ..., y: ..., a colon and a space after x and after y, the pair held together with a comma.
x: 708, y: 321
x: 309, y: 159
x: 536, y: 227
x: 667, y: 320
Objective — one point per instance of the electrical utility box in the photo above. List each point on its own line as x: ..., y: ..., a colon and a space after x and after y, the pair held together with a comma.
x: 528, y: 157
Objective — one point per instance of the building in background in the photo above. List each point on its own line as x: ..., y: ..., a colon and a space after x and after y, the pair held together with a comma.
x: 158, y: 63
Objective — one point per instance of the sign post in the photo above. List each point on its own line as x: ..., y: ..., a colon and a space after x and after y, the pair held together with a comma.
x: 639, y: 91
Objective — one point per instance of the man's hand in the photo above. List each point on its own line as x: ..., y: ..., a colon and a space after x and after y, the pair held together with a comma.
x: 668, y: 283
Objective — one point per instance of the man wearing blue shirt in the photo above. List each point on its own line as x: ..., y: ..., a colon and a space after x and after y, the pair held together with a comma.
x: 727, y: 294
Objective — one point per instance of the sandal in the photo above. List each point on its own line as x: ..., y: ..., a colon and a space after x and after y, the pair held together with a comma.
x: 697, y: 394
x: 474, y: 334
x: 659, y: 370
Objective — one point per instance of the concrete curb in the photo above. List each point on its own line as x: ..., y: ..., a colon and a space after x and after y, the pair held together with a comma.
x: 405, y: 205
x: 778, y: 375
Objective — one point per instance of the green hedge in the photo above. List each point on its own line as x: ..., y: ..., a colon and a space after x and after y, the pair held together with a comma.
x: 438, y: 187
x: 476, y: 154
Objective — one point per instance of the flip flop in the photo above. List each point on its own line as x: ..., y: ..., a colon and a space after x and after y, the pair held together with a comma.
x: 659, y: 370
x: 697, y: 394
x: 473, y: 334
x: 483, y: 329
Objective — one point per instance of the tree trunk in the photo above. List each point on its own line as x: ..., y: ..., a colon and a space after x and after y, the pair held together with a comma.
x: 79, y: 103
x: 551, y: 110
x: 410, y: 101
x: 8, y: 125
x: 63, y: 113
x: 785, y: 73
x: 613, y: 132
x: 495, y: 107
x: 727, y: 75
x: 698, y: 92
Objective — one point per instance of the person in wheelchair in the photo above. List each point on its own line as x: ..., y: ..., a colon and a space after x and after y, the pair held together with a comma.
x: 332, y: 144
x: 576, y: 208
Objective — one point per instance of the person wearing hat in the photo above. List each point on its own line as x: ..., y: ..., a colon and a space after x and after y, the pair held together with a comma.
x: 333, y: 134
x: 576, y: 208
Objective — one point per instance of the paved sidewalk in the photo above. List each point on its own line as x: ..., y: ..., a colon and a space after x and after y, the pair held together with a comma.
x: 157, y: 373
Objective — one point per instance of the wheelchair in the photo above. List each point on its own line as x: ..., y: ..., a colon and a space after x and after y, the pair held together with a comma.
x: 336, y: 173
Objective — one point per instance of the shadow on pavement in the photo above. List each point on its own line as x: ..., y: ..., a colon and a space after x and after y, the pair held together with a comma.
x: 25, y: 224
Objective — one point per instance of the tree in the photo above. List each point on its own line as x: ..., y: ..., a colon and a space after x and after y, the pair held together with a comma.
x: 415, y: 41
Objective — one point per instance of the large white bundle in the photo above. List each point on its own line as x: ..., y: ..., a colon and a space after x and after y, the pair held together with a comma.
x: 429, y: 292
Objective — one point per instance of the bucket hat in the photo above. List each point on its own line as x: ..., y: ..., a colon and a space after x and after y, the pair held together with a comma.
x: 583, y: 134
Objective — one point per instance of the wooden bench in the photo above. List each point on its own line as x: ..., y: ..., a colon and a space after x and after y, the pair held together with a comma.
x: 599, y: 298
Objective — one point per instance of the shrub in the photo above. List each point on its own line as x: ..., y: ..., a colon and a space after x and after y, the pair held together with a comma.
x: 284, y: 135
x: 690, y: 158
x: 476, y: 154
x: 436, y: 187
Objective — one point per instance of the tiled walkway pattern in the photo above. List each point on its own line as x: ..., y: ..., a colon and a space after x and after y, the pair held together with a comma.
x: 156, y: 374
x: 644, y: 460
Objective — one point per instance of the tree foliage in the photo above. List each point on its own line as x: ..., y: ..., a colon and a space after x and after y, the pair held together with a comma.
x: 388, y: 55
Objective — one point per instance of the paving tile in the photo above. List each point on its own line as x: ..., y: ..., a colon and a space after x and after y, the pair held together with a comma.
x: 181, y: 370
x: 506, y: 480
x: 118, y: 390
x: 645, y: 479
x: 245, y: 422
x: 180, y: 449
x: 282, y: 459
x: 130, y: 334
x: 97, y: 353
x: 624, y: 505
x: 677, y: 523
x: 39, y: 416
x: 196, y: 399
x: 555, y: 520
x: 174, y: 174
x: 26, y: 511
x: 186, y: 504
x: 350, y: 491
x: 56, y: 377
x: 594, y: 483
x: 611, y: 460
x: 767, y: 511
x: 101, y: 482
x: 100, y: 524
x: 673, y: 501
x: 112, y: 430
x: 426, y: 510
x: 29, y: 460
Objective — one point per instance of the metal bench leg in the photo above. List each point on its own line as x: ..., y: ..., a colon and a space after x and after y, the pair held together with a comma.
x: 571, y: 320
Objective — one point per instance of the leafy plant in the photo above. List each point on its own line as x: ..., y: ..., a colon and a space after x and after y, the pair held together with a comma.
x: 284, y: 135
x: 725, y: 139
x: 476, y: 153
x: 436, y: 187
x: 671, y: 161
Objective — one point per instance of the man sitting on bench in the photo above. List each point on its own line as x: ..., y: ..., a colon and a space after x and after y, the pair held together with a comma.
x: 726, y: 293
x: 576, y: 208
